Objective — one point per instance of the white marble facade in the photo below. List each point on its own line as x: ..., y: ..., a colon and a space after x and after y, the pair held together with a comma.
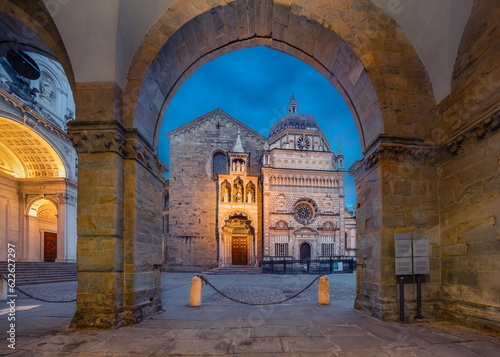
x: 303, y: 191
x: 38, y: 165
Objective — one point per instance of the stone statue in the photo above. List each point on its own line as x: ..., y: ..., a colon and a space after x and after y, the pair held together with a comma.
x: 225, y: 194
x: 46, y: 90
x: 249, y: 197
x: 239, y: 195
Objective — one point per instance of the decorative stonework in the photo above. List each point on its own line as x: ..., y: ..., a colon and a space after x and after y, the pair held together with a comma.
x: 32, y: 117
x: 113, y: 137
x: 305, y: 211
x: 481, y: 129
x: 394, y: 150
x: 64, y: 197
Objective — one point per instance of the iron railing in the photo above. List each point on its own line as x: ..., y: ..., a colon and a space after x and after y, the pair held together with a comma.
x: 323, y: 265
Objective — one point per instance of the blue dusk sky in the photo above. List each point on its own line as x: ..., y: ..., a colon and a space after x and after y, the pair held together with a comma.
x: 254, y: 86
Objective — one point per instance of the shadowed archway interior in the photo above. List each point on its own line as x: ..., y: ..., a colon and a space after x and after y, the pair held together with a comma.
x: 430, y: 163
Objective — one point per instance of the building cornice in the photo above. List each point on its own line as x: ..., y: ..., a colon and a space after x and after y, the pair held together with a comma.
x: 481, y: 129
x: 112, y: 136
x: 393, y: 150
x: 31, y: 117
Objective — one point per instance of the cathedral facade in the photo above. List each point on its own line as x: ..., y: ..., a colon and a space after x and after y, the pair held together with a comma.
x: 304, y: 208
x: 214, y: 195
x: 242, y: 198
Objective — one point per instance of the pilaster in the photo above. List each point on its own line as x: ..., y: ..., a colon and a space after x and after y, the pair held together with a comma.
x: 397, y: 192
x: 119, y: 225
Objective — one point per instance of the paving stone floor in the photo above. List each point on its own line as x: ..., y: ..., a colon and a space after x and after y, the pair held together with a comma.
x: 221, y: 328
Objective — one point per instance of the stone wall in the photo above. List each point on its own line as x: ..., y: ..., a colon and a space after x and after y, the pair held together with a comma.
x: 469, y: 186
x: 119, y: 221
x: 191, y: 242
x: 397, y: 193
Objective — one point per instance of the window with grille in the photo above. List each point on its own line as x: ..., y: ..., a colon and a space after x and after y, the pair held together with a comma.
x: 328, y: 249
x: 219, y: 164
x: 281, y: 249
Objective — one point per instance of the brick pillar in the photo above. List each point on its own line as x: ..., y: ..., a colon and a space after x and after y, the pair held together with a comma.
x: 119, y: 225
x: 397, y: 188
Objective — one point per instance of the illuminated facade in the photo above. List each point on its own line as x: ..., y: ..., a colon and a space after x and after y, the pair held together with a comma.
x: 38, y: 170
x: 277, y: 197
x: 215, y: 199
x: 303, y: 190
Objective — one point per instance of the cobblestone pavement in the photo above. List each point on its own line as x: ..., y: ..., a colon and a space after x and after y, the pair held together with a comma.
x: 221, y: 328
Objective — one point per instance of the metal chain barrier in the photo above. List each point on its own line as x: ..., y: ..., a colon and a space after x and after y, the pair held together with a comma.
x: 254, y: 303
x: 39, y: 299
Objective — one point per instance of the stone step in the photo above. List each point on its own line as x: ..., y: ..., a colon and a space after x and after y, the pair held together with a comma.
x: 41, y: 272
x: 234, y: 270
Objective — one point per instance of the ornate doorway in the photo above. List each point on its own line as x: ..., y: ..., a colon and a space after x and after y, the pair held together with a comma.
x: 239, y: 250
x: 49, y: 247
x: 237, y: 245
x: 305, y: 251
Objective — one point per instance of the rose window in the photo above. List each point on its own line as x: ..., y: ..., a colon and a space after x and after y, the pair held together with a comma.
x: 304, y: 213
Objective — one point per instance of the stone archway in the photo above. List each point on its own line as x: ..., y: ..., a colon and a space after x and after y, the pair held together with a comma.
x: 377, y: 80
x: 373, y: 78
x: 396, y: 180
x: 304, y: 251
x: 238, y: 241
x: 346, y: 52
x: 371, y: 63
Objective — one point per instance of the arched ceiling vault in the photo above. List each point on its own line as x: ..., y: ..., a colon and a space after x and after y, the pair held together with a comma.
x: 25, y: 154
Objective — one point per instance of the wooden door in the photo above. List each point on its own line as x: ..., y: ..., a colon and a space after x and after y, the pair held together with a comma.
x: 239, y: 250
x: 49, y: 247
x: 305, y: 251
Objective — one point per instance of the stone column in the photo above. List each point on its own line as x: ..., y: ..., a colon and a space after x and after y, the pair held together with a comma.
x: 62, y: 235
x: 396, y: 184
x: 66, y: 229
x: 21, y: 245
x: 119, y: 225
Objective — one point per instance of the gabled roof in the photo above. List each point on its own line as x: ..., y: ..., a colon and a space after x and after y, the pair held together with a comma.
x: 208, y: 116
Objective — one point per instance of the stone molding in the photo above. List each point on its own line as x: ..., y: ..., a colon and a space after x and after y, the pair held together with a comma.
x: 66, y: 198
x: 31, y: 117
x: 483, y: 128
x: 112, y: 136
x: 393, y: 150
x: 215, y: 116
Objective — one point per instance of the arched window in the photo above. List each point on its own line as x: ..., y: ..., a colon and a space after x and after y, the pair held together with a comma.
x: 219, y: 164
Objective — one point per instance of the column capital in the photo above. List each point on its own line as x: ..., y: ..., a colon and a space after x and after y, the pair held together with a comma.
x: 111, y: 136
x: 392, y: 150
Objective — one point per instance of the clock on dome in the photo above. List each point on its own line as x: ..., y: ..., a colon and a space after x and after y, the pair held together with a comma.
x: 303, y: 143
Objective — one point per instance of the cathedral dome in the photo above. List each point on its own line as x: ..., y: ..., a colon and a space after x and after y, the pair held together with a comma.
x: 293, y: 120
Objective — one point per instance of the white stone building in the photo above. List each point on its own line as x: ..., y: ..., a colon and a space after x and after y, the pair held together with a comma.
x: 303, y: 190
x: 38, y: 164
x: 256, y: 199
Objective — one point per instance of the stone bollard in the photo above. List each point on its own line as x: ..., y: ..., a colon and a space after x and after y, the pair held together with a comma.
x: 3, y: 289
x: 324, y: 290
x: 196, y: 291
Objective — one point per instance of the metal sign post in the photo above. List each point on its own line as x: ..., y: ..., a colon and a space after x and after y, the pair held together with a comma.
x: 421, y: 264
x: 403, y: 247
x: 412, y: 258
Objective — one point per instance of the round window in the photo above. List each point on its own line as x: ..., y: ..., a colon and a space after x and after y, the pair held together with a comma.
x: 304, y: 212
